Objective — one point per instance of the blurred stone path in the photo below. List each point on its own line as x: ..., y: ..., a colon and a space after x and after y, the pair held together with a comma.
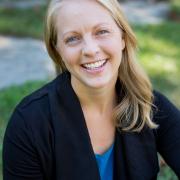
x: 24, y: 59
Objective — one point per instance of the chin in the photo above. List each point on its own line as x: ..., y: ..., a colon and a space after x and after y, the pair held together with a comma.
x: 97, y: 84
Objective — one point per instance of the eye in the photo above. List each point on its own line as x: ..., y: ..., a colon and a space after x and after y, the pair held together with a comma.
x: 102, y: 32
x: 72, y: 39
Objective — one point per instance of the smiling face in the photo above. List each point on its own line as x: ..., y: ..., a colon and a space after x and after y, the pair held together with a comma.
x: 89, y: 42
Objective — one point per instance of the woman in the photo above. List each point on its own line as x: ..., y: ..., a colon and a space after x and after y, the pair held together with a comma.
x: 100, y: 118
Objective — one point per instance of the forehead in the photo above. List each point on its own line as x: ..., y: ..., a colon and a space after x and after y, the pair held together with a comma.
x: 81, y: 13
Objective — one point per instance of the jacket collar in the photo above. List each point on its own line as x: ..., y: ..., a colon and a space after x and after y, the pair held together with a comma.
x: 134, y: 153
x: 75, y: 158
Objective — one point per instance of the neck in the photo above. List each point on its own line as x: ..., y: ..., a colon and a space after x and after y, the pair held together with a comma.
x: 100, y: 100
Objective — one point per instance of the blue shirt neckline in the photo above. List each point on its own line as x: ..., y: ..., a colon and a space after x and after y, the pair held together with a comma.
x: 105, y: 163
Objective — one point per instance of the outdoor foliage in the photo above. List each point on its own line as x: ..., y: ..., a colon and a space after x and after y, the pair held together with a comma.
x: 159, y: 53
x: 175, y: 6
x: 22, y: 22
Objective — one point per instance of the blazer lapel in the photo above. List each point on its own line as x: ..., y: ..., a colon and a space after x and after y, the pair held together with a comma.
x: 120, y: 170
x: 75, y: 158
x: 135, y: 153
x: 136, y: 156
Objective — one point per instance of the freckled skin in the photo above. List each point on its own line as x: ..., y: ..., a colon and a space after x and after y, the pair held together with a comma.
x: 87, y: 33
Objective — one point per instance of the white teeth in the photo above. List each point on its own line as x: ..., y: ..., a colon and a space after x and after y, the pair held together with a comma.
x: 94, y: 65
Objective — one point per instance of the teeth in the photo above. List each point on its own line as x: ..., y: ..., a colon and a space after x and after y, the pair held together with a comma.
x: 94, y: 65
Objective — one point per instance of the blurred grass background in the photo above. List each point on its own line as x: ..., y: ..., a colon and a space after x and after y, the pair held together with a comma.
x: 22, y: 22
x: 159, y: 53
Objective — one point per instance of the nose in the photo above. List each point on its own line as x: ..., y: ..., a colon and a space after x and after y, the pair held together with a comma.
x: 90, y: 47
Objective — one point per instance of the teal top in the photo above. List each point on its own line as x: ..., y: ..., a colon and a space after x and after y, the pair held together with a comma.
x: 105, y: 163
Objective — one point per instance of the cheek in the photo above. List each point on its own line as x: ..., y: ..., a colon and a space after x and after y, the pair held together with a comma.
x: 66, y: 54
x: 114, y: 42
x: 114, y: 48
x: 69, y: 55
x: 119, y: 43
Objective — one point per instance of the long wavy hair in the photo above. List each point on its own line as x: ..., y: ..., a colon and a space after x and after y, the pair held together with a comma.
x: 134, y: 109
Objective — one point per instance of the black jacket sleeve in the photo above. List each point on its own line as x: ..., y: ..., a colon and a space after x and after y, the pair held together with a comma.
x: 20, y: 161
x: 168, y: 133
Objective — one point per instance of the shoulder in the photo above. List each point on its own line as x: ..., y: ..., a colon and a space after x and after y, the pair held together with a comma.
x: 34, y: 111
x: 41, y: 99
x: 31, y: 125
x: 166, y: 115
x: 30, y: 131
x: 164, y: 108
x: 41, y: 96
x: 161, y: 100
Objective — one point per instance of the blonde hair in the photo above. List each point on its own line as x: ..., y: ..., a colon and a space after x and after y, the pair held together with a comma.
x: 134, y: 109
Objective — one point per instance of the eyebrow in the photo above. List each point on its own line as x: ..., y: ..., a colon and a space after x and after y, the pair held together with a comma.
x: 68, y: 32
x: 95, y: 27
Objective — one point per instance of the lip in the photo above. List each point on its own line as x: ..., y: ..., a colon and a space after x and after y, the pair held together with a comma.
x: 100, y: 59
x: 95, y: 70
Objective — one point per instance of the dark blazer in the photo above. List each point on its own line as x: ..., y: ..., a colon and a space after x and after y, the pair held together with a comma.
x: 47, y: 139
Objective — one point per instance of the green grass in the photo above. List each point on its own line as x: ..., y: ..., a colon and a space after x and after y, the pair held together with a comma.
x: 22, y: 22
x: 159, y: 53
x: 167, y: 174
